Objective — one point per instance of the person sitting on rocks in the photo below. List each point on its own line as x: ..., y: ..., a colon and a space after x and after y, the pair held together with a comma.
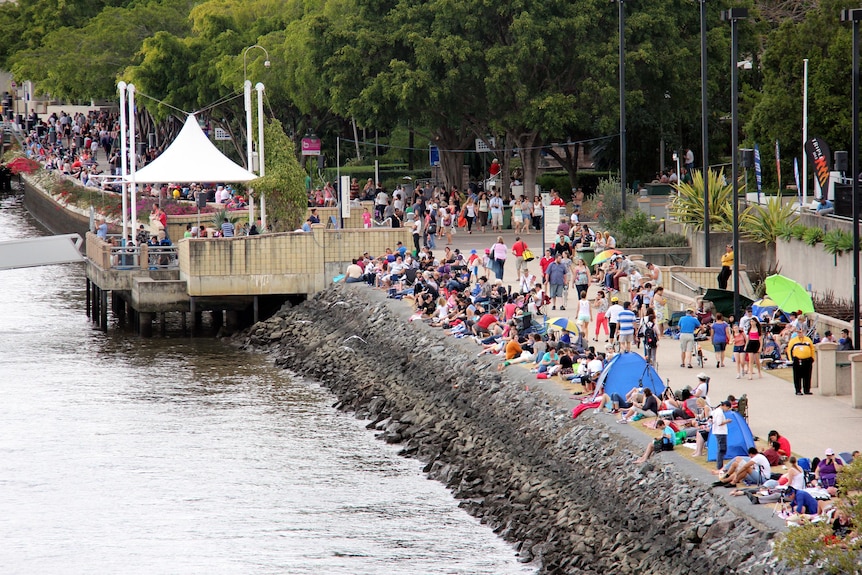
x: 753, y: 470
x: 649, y: 407
x: 663, y: 443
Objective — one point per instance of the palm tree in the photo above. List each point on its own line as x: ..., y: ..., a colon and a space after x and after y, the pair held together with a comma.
x: 687, y: 203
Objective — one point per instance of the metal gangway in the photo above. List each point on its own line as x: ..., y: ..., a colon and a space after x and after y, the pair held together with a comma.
x: 45, y: 251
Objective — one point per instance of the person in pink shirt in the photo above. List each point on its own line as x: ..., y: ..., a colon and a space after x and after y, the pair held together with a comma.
x: 366, y: 219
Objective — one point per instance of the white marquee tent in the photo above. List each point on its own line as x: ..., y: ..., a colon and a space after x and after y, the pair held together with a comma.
x: 191, y: 157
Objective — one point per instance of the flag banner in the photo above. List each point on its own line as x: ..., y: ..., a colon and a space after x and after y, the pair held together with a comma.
x: 758, y: 174
x: 819, y: 155
x: 778, y: 163
x: 796, y: 175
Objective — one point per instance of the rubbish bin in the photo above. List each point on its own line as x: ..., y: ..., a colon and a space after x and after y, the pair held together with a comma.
x: 586, y: 254
x: 507, y: 218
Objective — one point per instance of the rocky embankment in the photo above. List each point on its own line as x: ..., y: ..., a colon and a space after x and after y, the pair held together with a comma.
x: 565, y: 492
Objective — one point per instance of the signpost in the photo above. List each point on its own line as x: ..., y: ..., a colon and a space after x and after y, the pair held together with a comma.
x: 311, y: 146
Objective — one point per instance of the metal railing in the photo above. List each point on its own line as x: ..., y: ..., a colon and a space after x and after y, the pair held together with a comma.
x: 143, y: 257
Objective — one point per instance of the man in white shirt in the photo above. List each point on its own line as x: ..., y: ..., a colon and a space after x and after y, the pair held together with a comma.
x: 613, y: 315
x: 753, y: 470
x: 496, y: 205
x: 380, y: 203
x: 719, y: 430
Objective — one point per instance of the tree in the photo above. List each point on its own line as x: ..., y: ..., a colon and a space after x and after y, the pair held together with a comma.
x: 84, y: 63
x: 284, y: 182
x: 777, y: 114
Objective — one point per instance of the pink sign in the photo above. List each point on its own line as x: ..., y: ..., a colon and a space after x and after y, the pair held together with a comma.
x: 311, y: 146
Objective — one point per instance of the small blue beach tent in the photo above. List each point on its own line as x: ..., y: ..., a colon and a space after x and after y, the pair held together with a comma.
x: 628, y: 370
x: 739, y: 438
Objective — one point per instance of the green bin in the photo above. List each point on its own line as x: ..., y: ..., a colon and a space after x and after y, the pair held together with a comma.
x: 586, y: 254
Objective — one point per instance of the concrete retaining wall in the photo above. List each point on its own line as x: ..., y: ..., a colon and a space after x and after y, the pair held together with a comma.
x: 564, y: 491
x: 812, y: 265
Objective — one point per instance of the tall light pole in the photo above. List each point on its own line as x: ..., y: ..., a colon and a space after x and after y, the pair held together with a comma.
x: 704, y: 132
x: 854, y: 16
x: 733, y: 15
x: 246, y: 86
x: 622, y: 18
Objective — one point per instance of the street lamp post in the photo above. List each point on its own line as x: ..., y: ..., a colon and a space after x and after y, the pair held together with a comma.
x: 704, y: 134
x: 622, y: 19
x: 246, y: 86
x: 854, y: 16
x: 733, y: 15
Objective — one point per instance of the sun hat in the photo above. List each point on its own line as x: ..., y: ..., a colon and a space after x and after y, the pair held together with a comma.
x: 830, y: 451
x: 472, y: 252
x: 702, y: 376
x: 615, y: 298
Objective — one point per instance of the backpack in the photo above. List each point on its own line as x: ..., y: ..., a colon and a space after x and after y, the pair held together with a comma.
x: 650, y: 337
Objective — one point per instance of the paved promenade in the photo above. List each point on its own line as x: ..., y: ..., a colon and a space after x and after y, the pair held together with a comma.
x: 811, y: 423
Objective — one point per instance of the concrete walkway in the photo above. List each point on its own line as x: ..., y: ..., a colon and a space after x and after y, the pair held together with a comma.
x: 812, y: 423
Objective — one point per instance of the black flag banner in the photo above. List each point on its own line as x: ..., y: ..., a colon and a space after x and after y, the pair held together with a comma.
x: 819, y: 156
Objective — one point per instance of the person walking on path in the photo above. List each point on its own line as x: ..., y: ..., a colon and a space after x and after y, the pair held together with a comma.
x: 613, y: 315
x: 556, y: 277
x: 584, y: 314
x: 496, y: 205
x: 601, y: 306
x: 720, y: 338
x: 752, y: 347
x: 626, y: 321
x: 581, y: 276
x: 800, y: 351
x: 688, y: 324
x: 499, y: 251
x: 726, y: 265
x: 518, y: 249
x: 739, y: 350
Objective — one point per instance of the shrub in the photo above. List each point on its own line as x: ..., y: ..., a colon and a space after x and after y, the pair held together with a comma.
x: 812, y: 236
x: 837, y: 242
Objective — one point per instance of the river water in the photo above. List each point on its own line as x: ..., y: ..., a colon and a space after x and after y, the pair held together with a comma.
x: 124, y: 455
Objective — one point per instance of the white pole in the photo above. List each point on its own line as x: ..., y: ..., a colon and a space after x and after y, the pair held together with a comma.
x: 804, y: 131
x: 262, y: 212
x: 246, y: 86
x: 338, y: 178
x: 259, y: 88
x: 133, y: 142
x: 123, y: 165
x: 260, y: 158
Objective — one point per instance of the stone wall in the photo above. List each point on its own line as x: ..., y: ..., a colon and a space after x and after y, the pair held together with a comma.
x: 564, y: 491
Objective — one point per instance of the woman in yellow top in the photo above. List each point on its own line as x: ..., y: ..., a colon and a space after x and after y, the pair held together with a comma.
x: 726, y: 264
x: 800, y: 350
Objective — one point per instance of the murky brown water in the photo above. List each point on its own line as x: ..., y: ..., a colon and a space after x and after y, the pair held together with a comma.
x: 123, y: 455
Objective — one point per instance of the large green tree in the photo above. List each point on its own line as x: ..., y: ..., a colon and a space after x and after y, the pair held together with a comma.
x: 84, y: 63
x: 826, y: 43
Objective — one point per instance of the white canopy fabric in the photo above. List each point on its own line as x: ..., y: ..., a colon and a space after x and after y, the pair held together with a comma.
x: 191, y: 157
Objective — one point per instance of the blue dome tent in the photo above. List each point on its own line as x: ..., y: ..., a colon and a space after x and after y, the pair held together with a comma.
x: 628, y: 370
x: 739, y: 438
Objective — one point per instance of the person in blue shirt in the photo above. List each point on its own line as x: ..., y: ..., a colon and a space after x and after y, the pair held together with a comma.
x: 626, y: 326
x: 802, y: 501
x: 688, y: 324
x: 663, y: 443
x: 825, y: 207
x: 102, y: 230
